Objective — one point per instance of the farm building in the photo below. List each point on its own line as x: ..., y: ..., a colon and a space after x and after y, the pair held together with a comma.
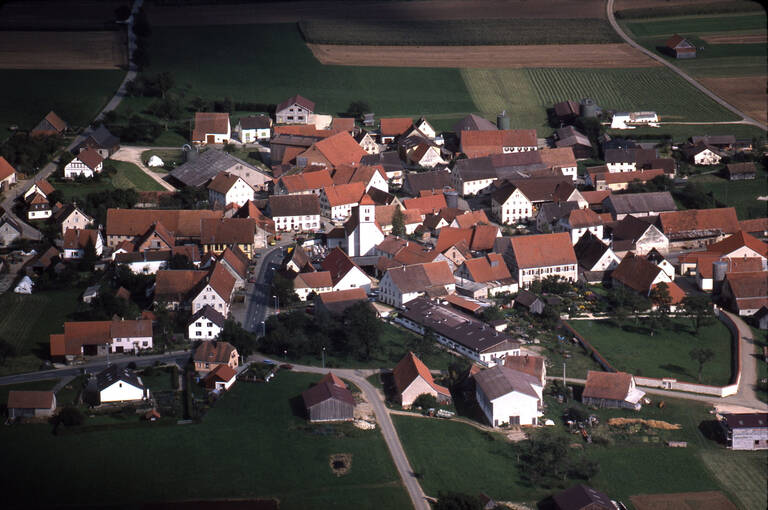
x: 582, y: 497
x: 100, y: 140
x: 679, y: 47
x: 413, y: 378
x: 211, y: 127
x: 23, y: 404
x: 295, y: 110
x: 85, y: 164
x: 8, y: 175
x: 746, y: 431
x: 529, y: 301
x: 254, y: 128
x: 741, y: 171
x: 329, y: 400
x: 508, y: 396
x: 220, y: 378
x: 701, y: 154
x: 571, y: 137
x: 115, y: 384
x: 611, y: 389
x: 50, y: 125
x: 566, y: 111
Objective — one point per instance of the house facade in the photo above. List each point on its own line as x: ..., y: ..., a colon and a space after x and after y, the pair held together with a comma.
x: 295, y: 213
x: 227, y: 189
x: 295, y: 110
x: 85, y: 164
x: 508, y: 397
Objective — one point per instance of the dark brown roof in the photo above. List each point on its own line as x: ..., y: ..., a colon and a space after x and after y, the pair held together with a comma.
x: 326, y: 390
x: 297, y: 99
x: 747, y: 168
x: 741, y: 420
x: 411, y: 367
x: 294, y: 205
x: 214, y: 352
x: 175, y: 284
x: 582, y: 497
x: 256, y: 122
x: 227, y: 231
x: 90, y: 158
x: 637, y: 273
x: 135, y: 222
x: 339, y: 264
x: 607, y: 385
x: 224, y: 181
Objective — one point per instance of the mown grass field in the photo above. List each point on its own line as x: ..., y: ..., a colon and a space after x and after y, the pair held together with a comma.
x: 27, y: 321
x: 681, y: 132
x: 699, y: 8
x: 250, y: 445
x: 665, y: 354
x: 460, y: 32
x: 76, y: 96
x: 488, y: 463
x: 740, y: 194
x: 129, y: 175
x: 697, y: 25
x: 278, y: 64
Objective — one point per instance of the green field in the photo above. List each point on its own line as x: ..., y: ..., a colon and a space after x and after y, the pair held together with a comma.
x: 278, y: 64
x: 666, y: 353
x: 129, y: 175
x: 657, y: 11
x: 740, y: 194
x: 460, y: 32
x: 681, y: 132
x: 249, y: 445
x: 76, y: 96
x: 698, y: 25
x: 28, y: 320
x: 488, y: 463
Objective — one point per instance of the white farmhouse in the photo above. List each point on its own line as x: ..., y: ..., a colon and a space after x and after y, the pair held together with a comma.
x: 295, y: 110
x: 227, y: 189
x: 413, y: 378
x: 205, y: 324
x: 510, y: 205
x: 119, y: 385
x: 254, y: 128
x: 508, y: 397
x: 295, y: 212
x: 85, y: 164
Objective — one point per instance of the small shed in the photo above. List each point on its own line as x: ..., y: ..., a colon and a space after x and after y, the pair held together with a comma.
x: 746, y: 431
x: 326, y: 401
x: 678, y: 47
x: 741, y: 171
x: 530, y: 301
x: 220, y: 378
x: 24, y: 286
x: 90, y: 293
x: 23, y: 404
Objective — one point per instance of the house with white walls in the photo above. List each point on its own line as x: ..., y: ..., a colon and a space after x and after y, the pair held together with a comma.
x: 205, y: 324
x: 508, y: 396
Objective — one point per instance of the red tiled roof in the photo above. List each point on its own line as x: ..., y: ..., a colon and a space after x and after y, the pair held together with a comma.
x: 449, y: 236
x: 484, y: 237
x: 135, y: 222
x: 299, y: 100
x: 560, y: 157
x: 227, y: 231
x: 637, y: 273
x: 752, y: 285
x: 343, y: 296
x: 343, y: 124
x: 177, y: 283
x: 738, y: 240
x: 6, y: 170
x: 489, y: 268
x: 758, y: 225
x: 395, y: 126
x: 471, y: 218
x: 306, y: 181
x: 210, y: 123
x: 607, y: 385
x: 426, y: 204
x: 236, y: 260
x: 223, y: 373
x: 583, y: 218
x: 214, y: 352
x: 676, y: 293
x: 333, y: 379
x: 313, y: 280
x: 463, y: 303
x: 90, y: 158
x: 222, y: 281
x: 542, y: 250
x: 224, y: 181
x: 251, y: 210
x: 339, y: 264
x: 343, y: 194
x: 681, y: 223
x: 75, y: 239
x: 477, y: 144
x: 595, y: 197
x: 411, y: 367
x: 19, y: 399
x: 340, y: 149
x: 528, y: 364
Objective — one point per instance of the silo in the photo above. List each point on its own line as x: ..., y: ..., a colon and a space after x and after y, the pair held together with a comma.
x: 190, y: 152
x: 451, y: 198
x: 719, y: 268
x: 588, y: 108
x: 502, y: 121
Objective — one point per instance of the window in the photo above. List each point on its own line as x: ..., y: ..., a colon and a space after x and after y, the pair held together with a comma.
x: 210, y: 324
x: 199, y: 333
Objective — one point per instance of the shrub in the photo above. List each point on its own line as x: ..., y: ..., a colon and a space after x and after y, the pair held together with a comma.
x: 70, y: 416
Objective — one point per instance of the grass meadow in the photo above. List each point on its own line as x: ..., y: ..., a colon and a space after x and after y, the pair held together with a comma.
x: 251, y: 444
x: 26, y: 96
x: 740, y: 194
x: 665, y: 354
x: 697, y: 25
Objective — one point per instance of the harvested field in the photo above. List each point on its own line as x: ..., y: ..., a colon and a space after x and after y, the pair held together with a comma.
x: 62, y: 50
x: 746, y: 93
x: 293, y: 12
x: 709, y: 500
x: 510, y: 57
x: 59, y: 15
x: 735, y: 39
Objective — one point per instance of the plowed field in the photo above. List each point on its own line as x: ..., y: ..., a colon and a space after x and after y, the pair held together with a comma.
x: 510, y: 57
x: 745, y: 92
x: 62, y: 50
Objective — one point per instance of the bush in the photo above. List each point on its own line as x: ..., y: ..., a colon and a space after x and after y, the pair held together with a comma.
x: 175, y: 377
x: 70, y: 416
x: 425, y: 401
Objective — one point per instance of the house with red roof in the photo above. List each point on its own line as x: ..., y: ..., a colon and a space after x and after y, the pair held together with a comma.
x: 339, y: 149
x: 220, y: 378
x: 315, y: 282
x: 490, y: 270
x: 89, y: 338
x: 210, y: 355
x: 329, y: 401
x: 227, y: 188
x: 639, y: 274
x: 695, y: 228
x: 399, y: 285
x: 211, y: 127
x: 337, y: 301
x: 87, y: 163
x: 30, y: 404
x: 76, y: 242
x: 413, y: 378
x: 535, y: 257
x: 390, y: 129
x: 476, y: 144
x: 215, y: 291
x: 746, y: 292
x: 612, y: 389
x: 7, y: 175
x: 51, y: 125
x: 579, y: 222
x: 345, y: 274
x: 41, y: 187
x: 295, y: 110
x: 337, y: 201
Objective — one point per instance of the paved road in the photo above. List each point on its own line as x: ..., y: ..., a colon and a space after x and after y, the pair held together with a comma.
x: 416, y: 493
x: 29, y: 232
x: 746, y: 118
x: 179, y: 357
x: 259, y: 293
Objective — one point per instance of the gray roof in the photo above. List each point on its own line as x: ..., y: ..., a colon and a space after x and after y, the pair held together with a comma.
x: 589, y: 250
x: 714, y: 139
x: 255, y: 122
x: 580, y: 497
x: 550, y: 212
x: 206, y: 166
x: 629, y: 228
x: 103, y: 137
x: 473, y: 122
x: 437, y: 180
x: 501, y: 380
x: 628, y: 203
x: 569, y: 136
x: 390, y: 160
x: 326, y: 391
x: 475, y: 169
x: 145, y: 256
x: 211, y: 314
x: 112, y: 374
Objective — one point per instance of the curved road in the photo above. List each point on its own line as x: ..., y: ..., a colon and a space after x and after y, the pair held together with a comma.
x: 372, y: 395
x: 746, y: 118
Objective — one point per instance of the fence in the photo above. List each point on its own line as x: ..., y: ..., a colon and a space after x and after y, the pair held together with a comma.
x: 674, y: 384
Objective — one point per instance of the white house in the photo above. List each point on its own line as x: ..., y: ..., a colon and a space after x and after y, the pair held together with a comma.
x: 76, y: 241
x: 227, y: 189
x: 7, y: 175
x: 295, y: 110
x: 510, y: 205
x: 295, y: 212
x: 367, y: 142
x: 535, y: 257
x: 216, y: 292
x: 205, y: 324
x: 425, y: 156
x: 254, y: 128
x: 71, y: 217
x: 211, y: 127
x: 337, y: 201
x: 315, y: 282
x: 220, y: 378
x: 130, y: 335
x: 9, y: 230
x: 119, y: 385
x: 345, y: 274
x: 39, y: 208
x: 146, y: 262
x: 85, y: 164
x: 701, y: 154
x: 508, y: 397
x: 41, y: 187
x: 580, y: 221
x: 362, y: 231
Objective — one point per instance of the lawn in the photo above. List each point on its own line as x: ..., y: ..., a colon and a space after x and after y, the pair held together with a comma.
x: 681, y: 132
x: 251, y: 443
x: 393, y: 346
x: 28, y: 320
x: 279, y: 53
x: 665, y: 354
x: 76, y: 96
x: 740, y: 194
x: 170, y: 157
x: 71, y: 190
x: 128, y: 175
x: 698, y: 25
x: 460, y: 32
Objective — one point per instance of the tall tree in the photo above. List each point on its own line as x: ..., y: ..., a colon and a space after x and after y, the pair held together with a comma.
x: 398, y: 223
x: 701, y: 356
x: 699, y: 309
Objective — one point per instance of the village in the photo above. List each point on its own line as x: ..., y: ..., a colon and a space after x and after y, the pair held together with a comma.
x: 479, y: 241
x: 383, y: 255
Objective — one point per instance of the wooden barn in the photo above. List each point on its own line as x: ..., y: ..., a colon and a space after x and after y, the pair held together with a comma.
x: 741, y: 171
x: 329, y: 400
x: 679, y: 47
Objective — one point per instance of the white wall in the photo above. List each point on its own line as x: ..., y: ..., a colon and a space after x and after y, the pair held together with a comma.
x: 121, y: 391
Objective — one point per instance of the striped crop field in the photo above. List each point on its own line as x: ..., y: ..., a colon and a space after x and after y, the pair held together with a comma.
x: 741, y: 473
x: 527, y: 93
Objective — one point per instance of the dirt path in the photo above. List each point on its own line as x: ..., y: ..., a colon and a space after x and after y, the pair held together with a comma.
x: 133, y: 155
x: 683, y: 74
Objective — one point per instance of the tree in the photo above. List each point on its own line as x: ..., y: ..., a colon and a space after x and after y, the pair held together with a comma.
x: 425, y: 401
x: 164, y: 82
x: 398, y: 223
x: 658, y: 318
x: 244, y: 341
x: 426, y: 344
x: 70, y: 416
x: 363, y: 330
x: 701, y: 356
x: 457, y: 501
x: 358, y: 108
x: 282, y: 287
x: 168, y: 108
x: 492, y: 313
x: 699, y: 309
x: 7, y: 350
